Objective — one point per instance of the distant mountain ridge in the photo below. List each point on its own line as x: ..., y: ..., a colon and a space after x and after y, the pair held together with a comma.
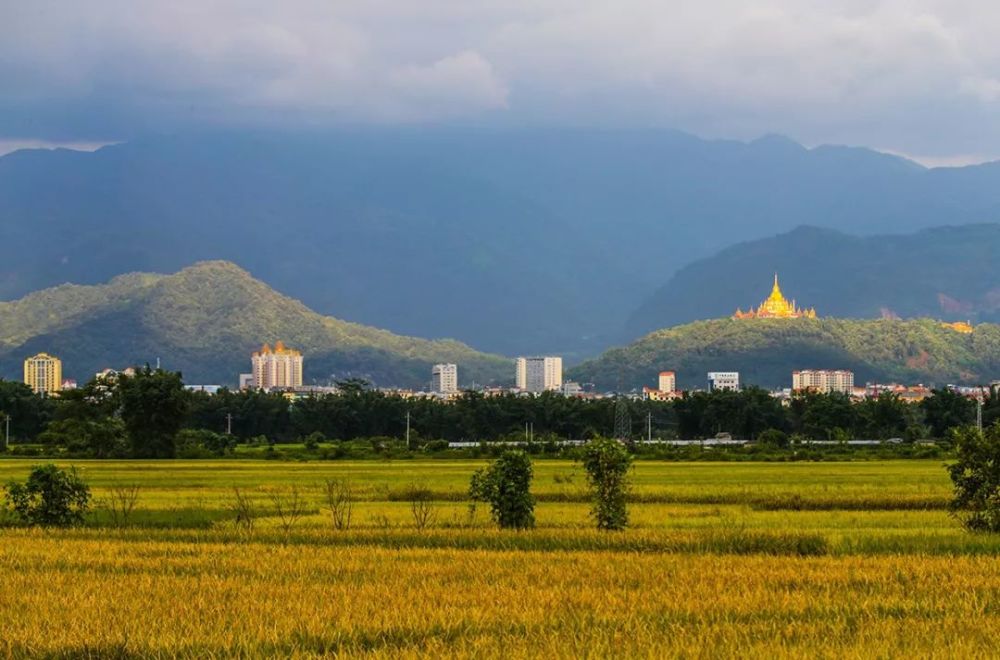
x: 766, y: 351
x: 204, y: 321
x: 516, y: 241
x: 950, y: 273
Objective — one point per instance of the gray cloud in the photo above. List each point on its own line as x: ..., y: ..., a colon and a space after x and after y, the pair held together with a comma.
x: 914, y: 76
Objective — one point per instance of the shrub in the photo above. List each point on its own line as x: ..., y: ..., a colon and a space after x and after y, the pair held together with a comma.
x: 773, y: 438
x: 311, y: 442
x: 607, y: 463
x: 505, y: 485
x: 976, y: 476
x: 421, y: 505
x: 340, y: 501
x: 51, y: 497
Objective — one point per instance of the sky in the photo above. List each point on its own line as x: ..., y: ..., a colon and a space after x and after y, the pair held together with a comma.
x: 914, y: 77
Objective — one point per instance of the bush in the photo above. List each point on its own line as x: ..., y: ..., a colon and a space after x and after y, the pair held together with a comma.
x: 773, y: 438
x: 607, y: 463
x: 505, y: 484
x: 312, y: 441
x: 51, y: 497
x: 976, y: 476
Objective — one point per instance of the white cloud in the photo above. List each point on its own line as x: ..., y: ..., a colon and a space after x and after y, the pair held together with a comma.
x: 919, y: 75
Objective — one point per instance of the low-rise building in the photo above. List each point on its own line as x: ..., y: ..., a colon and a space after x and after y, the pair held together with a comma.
x: 723, y: 380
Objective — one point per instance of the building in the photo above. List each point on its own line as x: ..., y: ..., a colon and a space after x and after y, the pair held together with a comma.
x: 572, y: 388
x: 723, y: 380
x: 43, y: 373
x: 823, y: 380
x: 277, y: 368
x: 649, y: 394
x: 668, y: 381
x: 444, y: 378
x: 538, y: 374
x: 775, y: 306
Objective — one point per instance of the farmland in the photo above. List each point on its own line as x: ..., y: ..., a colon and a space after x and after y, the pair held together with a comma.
x: 826, y: 559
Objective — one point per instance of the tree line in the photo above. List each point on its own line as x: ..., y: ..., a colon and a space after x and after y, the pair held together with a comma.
x: 150, y: 414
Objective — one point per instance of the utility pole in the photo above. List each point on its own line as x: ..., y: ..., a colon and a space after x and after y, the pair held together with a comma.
x: 532, y: 432
x: 408, y: 430
x: 979, y: 412
x: 649, y: 427
x: 6, y: 437
x: 229, y: 423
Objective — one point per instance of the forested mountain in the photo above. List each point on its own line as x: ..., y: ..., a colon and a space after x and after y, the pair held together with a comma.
x: 205, y: 321
x: 766, y: 351
x: 517, y: 241
x: 950, y: 273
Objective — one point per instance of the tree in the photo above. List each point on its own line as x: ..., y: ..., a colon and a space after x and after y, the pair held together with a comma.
x: 505, y: 484
x: 101, y: 438
x: 976, y: 477
x: 946, y: 409
x: 882, y: 417
x: 607, y: 463
x: 28, y: 411
x: 153, y: 405
x: 51, y: 497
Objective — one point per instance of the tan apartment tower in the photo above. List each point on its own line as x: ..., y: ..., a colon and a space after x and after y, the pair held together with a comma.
x: 538, y: 374
x: 43, y: 373
x: 277, y: 368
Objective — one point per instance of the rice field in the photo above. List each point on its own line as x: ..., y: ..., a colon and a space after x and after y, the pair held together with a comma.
x: 800, y: 559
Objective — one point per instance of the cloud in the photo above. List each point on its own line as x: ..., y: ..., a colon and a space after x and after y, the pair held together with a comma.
x: 916, y: 75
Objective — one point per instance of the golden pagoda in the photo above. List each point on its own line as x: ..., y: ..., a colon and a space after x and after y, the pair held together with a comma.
x: 776, y: 307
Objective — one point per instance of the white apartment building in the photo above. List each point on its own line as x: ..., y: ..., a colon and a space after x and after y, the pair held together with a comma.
x: 668, y: 381
x: 538, y: 374
x: 823, y: 380
x: 724, y: 380
x: 276, y: 368
x: 444, y: 378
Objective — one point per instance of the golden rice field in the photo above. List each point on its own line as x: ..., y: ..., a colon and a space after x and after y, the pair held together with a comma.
x: 818, y: 560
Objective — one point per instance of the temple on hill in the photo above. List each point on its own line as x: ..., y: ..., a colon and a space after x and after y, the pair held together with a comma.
x: 776, y: 307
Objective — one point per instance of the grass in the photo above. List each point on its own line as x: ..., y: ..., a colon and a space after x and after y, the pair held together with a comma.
x: 776, y: 559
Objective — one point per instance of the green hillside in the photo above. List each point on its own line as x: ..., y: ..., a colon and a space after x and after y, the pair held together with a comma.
x: 205, y: 321
x: 765, y: 352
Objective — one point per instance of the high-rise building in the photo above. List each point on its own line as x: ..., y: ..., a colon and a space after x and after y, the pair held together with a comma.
x: 668, y: 381
x: 538, y: 374
x: 724, y: 380
x: 823, y: 380
x: 276, y: 368
x: 444, y: 378
x: 43, y: 373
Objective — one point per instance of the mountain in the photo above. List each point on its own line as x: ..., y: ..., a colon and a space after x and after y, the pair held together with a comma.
x: 517, y: 241
x: 766, y: 351
x: 949, y: 273
x: 205, y: 321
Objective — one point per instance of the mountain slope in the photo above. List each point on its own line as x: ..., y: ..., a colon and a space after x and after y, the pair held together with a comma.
x: 766, y: 351
x: 517, y: 241
x: 948, y: 272
x: 205, y: 321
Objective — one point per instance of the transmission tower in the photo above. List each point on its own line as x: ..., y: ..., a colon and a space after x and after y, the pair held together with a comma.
x: 623, y: 420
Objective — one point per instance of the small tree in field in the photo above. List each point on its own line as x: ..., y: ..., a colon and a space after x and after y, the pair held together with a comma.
x: 505, y: 484
x: 607, y: 463
x: 976, y: 476
x: 51, y: 497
